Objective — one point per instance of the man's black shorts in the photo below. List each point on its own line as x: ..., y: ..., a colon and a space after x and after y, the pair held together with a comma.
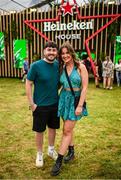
x: 45, y: 115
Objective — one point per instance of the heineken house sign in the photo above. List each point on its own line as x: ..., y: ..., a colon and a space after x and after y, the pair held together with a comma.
x: 49, y: 26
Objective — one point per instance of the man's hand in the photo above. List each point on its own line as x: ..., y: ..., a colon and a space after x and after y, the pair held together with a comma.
x: 33, y: 107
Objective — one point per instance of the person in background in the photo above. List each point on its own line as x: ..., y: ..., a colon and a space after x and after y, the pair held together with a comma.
x: 107, y: 68
x: 44, y: 75
x: 112, y: 77
x: 86, y: 62
x: 70, y: 114
x: 97, y: 75
x: 118, y: 72
x: 25, y: 69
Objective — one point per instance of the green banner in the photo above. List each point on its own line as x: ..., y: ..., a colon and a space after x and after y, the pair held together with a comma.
x: 2, y: 46
x: 117, y: 49
x: 20, y: 52
x: 93, y: 55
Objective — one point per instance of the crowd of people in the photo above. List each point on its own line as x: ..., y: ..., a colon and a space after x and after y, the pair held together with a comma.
x: 105, y: 70
x: 108, y: 72
x: 60, y: 69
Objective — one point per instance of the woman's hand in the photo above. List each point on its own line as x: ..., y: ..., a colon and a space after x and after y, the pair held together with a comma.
x: 78, y: 110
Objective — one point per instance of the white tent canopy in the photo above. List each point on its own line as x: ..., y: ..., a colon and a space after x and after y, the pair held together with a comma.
x: 17, y: 5
x: 20, y: 5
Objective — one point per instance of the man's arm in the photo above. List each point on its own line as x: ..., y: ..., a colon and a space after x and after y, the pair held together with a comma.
x: 29, y: 84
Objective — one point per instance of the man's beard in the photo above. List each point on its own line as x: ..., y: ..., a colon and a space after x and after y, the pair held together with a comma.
x: 51, y: 60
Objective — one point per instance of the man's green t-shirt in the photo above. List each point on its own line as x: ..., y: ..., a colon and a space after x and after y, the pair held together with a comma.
x: 45, y: 77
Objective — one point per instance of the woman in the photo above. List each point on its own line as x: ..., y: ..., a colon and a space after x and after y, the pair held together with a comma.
x: 78, y: 76
x: 107, y: 67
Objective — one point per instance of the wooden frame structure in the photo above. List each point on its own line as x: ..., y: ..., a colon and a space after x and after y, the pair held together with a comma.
x: 99, y: 43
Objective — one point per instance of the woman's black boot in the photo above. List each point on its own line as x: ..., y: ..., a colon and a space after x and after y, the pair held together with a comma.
x: 57, y: 166
x: 70, y: 154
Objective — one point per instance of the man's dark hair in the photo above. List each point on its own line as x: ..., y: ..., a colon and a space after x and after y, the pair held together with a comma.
x: 51, y: 44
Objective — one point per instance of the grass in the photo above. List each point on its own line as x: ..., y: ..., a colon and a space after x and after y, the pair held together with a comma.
x: 97, y: 137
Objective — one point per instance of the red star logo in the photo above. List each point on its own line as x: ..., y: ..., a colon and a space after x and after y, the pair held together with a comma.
x: 67, y: 9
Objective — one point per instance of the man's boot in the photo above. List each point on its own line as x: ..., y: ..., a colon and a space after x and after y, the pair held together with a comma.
x: 70, y: 155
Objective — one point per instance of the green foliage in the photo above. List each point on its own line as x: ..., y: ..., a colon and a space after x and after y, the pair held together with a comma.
x: 113, y: 31
x: 35, y: 57
x: 102, y: 56
x: 29, y: 35
x: 6, y: 37
x: 14, y: 30
x: 97, y: 137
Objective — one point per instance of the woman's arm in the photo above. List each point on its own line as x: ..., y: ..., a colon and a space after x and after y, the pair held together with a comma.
x: 84, y: 76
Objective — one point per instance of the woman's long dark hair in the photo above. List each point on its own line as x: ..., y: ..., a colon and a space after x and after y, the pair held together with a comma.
x: 71, y: 52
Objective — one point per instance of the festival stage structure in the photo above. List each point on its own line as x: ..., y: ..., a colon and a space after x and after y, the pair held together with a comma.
x: 91, y: 28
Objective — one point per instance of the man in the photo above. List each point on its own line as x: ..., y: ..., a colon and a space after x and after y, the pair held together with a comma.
x: 44, y: 74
